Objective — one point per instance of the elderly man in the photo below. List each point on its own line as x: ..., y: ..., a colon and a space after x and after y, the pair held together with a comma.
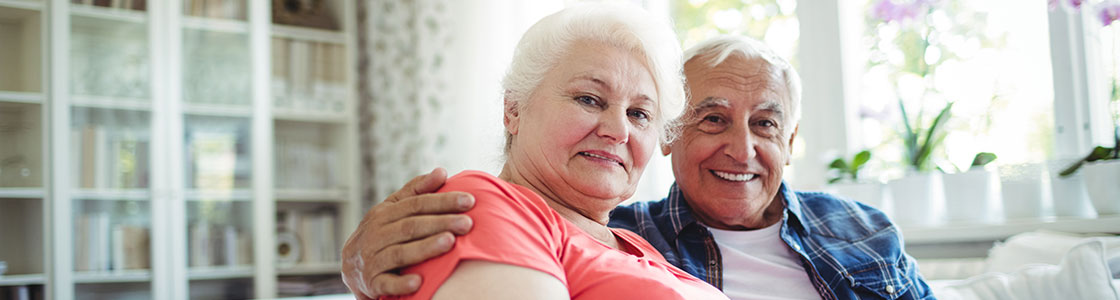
x: 729, y: 219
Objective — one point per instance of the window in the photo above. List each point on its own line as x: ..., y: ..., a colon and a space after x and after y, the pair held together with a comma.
x: 990, y: 58
x: 771, y: 21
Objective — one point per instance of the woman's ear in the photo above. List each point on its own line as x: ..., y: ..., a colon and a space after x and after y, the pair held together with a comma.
x: 511, y: 117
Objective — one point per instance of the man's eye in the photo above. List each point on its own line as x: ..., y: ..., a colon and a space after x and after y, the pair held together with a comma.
x: 712, y: 119
x: 767, y: 123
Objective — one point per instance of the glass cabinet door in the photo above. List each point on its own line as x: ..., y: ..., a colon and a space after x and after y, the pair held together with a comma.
x: 22, y: 193
x: 110, y: 134
x: 217, y: 106
x: 311, y: 145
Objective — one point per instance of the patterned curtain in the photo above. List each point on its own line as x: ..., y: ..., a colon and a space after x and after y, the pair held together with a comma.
x: 403, y: 84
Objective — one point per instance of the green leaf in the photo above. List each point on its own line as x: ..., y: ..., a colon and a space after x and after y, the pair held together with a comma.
x: 983, y: 158
x: 838, y: 164
x: 933, y: 137
x: 1098, y: 153
x: 861, y: 158
x: 834, y: 180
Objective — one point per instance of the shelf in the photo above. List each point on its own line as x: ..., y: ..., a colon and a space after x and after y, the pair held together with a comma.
x: 288, y: 114
x: 310, y: 269
x: 219, y: 110
x: 22, y: 279
x: 308, y: 34
x: 109, y: 14
x: 215, y: 25
x: 220, y: 272
x: 26, y: 193
x: 137, y: 104
x: 112, y: 276
x: 992, y: 232
x: 311, y: 195
x: 219, y: 195
x: 112, y: 194
x: 21, y: 97
x: 30, y: 5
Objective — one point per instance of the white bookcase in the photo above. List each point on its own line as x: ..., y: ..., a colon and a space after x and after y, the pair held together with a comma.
x: 201, y: 149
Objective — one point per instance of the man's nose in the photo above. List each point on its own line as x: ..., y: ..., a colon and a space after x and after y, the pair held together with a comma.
x: 614, y: 125
x: 740, y: 144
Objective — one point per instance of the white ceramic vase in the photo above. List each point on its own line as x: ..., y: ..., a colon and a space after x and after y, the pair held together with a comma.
x: 1102, y: 179
x: 918, y: 199
x: 870, y: 193
x: 1071, y: 198
x: 973, y: 196
x: 1025, y: 191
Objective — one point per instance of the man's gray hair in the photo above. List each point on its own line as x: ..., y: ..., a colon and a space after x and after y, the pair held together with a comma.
x: 620, y: 25
x: 718, y: 49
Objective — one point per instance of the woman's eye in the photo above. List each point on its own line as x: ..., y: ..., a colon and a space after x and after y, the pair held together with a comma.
x: 587, y: 100
x: 639, y: 115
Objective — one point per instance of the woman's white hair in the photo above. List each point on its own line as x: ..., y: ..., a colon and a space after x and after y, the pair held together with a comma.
x: 719, y: 48
x: 621, y: 25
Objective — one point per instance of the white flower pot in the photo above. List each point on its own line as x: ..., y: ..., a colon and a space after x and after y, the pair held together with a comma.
x: 1071, y: 199
x: 1102, y: 179
x: 973, y: 196
x: 870, y: 193
x: 1025, y: 191
x: 918, y: 199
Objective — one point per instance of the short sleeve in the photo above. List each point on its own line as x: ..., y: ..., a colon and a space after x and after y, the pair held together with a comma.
x: 511, y: 226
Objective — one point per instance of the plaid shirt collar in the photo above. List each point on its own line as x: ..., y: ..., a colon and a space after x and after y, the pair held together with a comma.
x: 679, y: 213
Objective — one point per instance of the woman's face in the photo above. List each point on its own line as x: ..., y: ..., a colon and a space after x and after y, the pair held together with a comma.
x: 588, y: 129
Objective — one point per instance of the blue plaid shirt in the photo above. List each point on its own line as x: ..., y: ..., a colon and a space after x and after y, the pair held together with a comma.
x: 849, y: 250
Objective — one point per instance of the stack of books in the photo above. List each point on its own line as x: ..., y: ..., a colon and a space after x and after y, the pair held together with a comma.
x: 104, y: 246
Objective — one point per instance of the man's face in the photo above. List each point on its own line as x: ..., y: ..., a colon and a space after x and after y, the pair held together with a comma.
x: 736, y: 138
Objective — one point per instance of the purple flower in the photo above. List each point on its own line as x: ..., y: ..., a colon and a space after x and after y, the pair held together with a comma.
x: 890, y: 11
x: 1109, y: 12
x: 1076, y: 3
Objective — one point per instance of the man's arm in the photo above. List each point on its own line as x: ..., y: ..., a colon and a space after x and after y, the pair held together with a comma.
x: 412, y: 225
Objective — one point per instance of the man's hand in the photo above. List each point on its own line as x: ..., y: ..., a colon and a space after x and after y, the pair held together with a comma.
x: 409, y: 227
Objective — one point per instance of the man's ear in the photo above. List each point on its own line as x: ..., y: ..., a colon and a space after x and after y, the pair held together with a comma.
x: 512, y: 116
x: 791, y: 138
x: 666, y: 149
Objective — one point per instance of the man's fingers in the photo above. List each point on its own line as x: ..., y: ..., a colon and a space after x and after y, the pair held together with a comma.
x: 427, y: 204
x: 421, y: 227
x: 389, y: 284
x: 422, y: 184
x: 407, y: 254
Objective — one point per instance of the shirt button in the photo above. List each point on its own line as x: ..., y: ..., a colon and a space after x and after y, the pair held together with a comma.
x: 712, y: 262
x: 890, y: 289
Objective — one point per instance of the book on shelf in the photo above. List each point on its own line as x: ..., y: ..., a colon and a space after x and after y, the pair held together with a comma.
x: 214, y: 157
x: 219, y: 9
x: 218, y: 245
x: 105, y: 158
x: 93, y: 236
x: 130, y: 247
x: 280, y: 58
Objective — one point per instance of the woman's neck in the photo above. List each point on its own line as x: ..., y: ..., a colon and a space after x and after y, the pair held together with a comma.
x: 592, y: 223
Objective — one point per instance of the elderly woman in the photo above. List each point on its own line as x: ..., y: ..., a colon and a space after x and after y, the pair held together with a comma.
x: 588, y: 95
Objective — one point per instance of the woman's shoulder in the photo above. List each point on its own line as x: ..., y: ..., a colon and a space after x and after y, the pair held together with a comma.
x: 497, y: 195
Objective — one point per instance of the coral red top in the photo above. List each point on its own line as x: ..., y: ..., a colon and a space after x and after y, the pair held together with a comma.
x: 513, y: 225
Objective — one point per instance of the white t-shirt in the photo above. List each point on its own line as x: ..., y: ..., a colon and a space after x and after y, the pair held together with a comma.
x: 757, y: 264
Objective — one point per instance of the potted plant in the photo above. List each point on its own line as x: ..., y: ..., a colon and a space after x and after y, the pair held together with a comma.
x: 973, y: 195
x: 845, y: 181
x: 918, y: 197
x: 1100, y: 170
